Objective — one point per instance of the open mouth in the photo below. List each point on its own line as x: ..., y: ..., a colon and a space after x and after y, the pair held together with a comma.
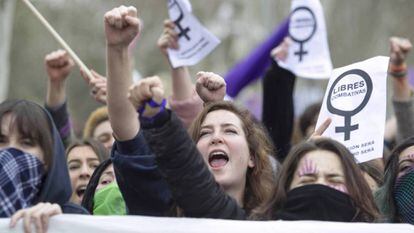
x: 217, y: 159
x: 80, y: 191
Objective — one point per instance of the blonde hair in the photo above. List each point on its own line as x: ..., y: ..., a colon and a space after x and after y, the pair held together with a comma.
x: 95, y: 118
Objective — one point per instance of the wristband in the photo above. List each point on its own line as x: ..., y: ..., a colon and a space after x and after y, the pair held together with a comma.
x: 401, y: 74
x: 152, y: 104
x: 398, y: 68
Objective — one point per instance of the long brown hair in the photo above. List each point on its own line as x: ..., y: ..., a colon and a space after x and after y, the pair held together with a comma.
x: 260, y: 179
x: 356, y: 185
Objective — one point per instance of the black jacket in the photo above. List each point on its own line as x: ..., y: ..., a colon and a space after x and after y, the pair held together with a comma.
x: 191, y: 183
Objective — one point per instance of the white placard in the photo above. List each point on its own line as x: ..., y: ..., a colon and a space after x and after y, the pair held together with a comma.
x: 309, y: 55
x: 195, y: 41
x: 70, y: 223
x: 355, y: 100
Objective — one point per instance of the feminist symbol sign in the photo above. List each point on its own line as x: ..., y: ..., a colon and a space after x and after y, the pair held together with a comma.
x: 358, y: 85
x: 179, y: 17
x: 302, y: 27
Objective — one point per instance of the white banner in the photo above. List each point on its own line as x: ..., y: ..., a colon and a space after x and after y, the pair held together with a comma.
x: 101, y: 224
x: 309, y: 55
x: 195, y: 41
x: 355, y: 100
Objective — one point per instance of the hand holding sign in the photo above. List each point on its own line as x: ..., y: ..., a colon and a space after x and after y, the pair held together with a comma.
x: 121, y: 26
x: 168, y: 38
x: 281, y: 52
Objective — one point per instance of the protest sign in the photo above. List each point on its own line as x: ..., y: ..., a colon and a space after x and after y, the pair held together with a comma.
x: 194, y: 40
x: 309, y: 55
x: 355, y: 100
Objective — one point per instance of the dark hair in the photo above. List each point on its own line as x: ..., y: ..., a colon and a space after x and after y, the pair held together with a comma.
x: 373, y: 170
x: 31, y: 122
x: 87, y: 201
x: 356, y: 185
x: 259, y: 179
x: 309, y: 117
x: 96, y: 146
x: 385, y: 195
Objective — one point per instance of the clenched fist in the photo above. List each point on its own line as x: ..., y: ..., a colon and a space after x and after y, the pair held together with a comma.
x: 121, y: 26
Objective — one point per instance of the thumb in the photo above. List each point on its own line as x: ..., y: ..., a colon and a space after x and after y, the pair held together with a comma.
x: 157, y: 94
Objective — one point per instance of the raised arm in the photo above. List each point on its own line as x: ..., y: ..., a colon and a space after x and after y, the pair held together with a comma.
x: 278, y: 111
x: 58, y: 65
x: 191, y: 183
x: 184, y: 101
x: 403, y: 100
x: 121, y: 26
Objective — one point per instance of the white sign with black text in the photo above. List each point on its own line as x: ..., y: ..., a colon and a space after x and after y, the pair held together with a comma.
x: 355, y: 100
x: 194, y: 40
x: 309, y: 55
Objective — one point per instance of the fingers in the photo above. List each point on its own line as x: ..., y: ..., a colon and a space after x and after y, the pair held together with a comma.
x: 321, y: 129
x: 16, y: 217
x: 399, y: 48
x: 146, y: 89
x: 58, y: 59
x: 282, y: 50
x: 210, y: 80
x: 169, y: 37
x: 122, y: 17
x: 38, y: 215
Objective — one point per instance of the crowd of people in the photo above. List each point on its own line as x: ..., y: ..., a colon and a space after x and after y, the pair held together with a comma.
x: 193, y: 154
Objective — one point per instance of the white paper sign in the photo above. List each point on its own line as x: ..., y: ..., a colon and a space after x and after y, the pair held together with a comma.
x: 355, y: 100
x: 309, y: 55
x: 70, y: 223
x: 195, y: 41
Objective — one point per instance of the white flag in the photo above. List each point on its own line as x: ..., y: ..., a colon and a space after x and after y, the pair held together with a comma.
x: 355, y: 100
x: 309, y: 55
x: 195, y: 41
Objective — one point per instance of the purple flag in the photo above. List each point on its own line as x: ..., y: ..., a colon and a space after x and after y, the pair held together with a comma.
x: 254, y: 65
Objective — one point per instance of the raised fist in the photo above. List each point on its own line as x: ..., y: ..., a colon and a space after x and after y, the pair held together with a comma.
x: 121, y: 26
x: 210, y: 86
x: 399, y: 48
x: 147, y: 89
x: 58, y: 65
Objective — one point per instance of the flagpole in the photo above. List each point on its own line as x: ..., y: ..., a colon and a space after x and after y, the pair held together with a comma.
x: 59, y: 39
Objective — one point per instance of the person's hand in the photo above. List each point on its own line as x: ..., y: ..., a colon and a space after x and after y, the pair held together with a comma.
x: 210, y: 86
x: 38, y: 215
x: 168, y: 38
x: 399, y: 49
x: 319, y: 131
x: 121, y: 26
x: 58, y: 65
x: 147, y: 89
x: 97, y: 86
x: 281, y: 52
